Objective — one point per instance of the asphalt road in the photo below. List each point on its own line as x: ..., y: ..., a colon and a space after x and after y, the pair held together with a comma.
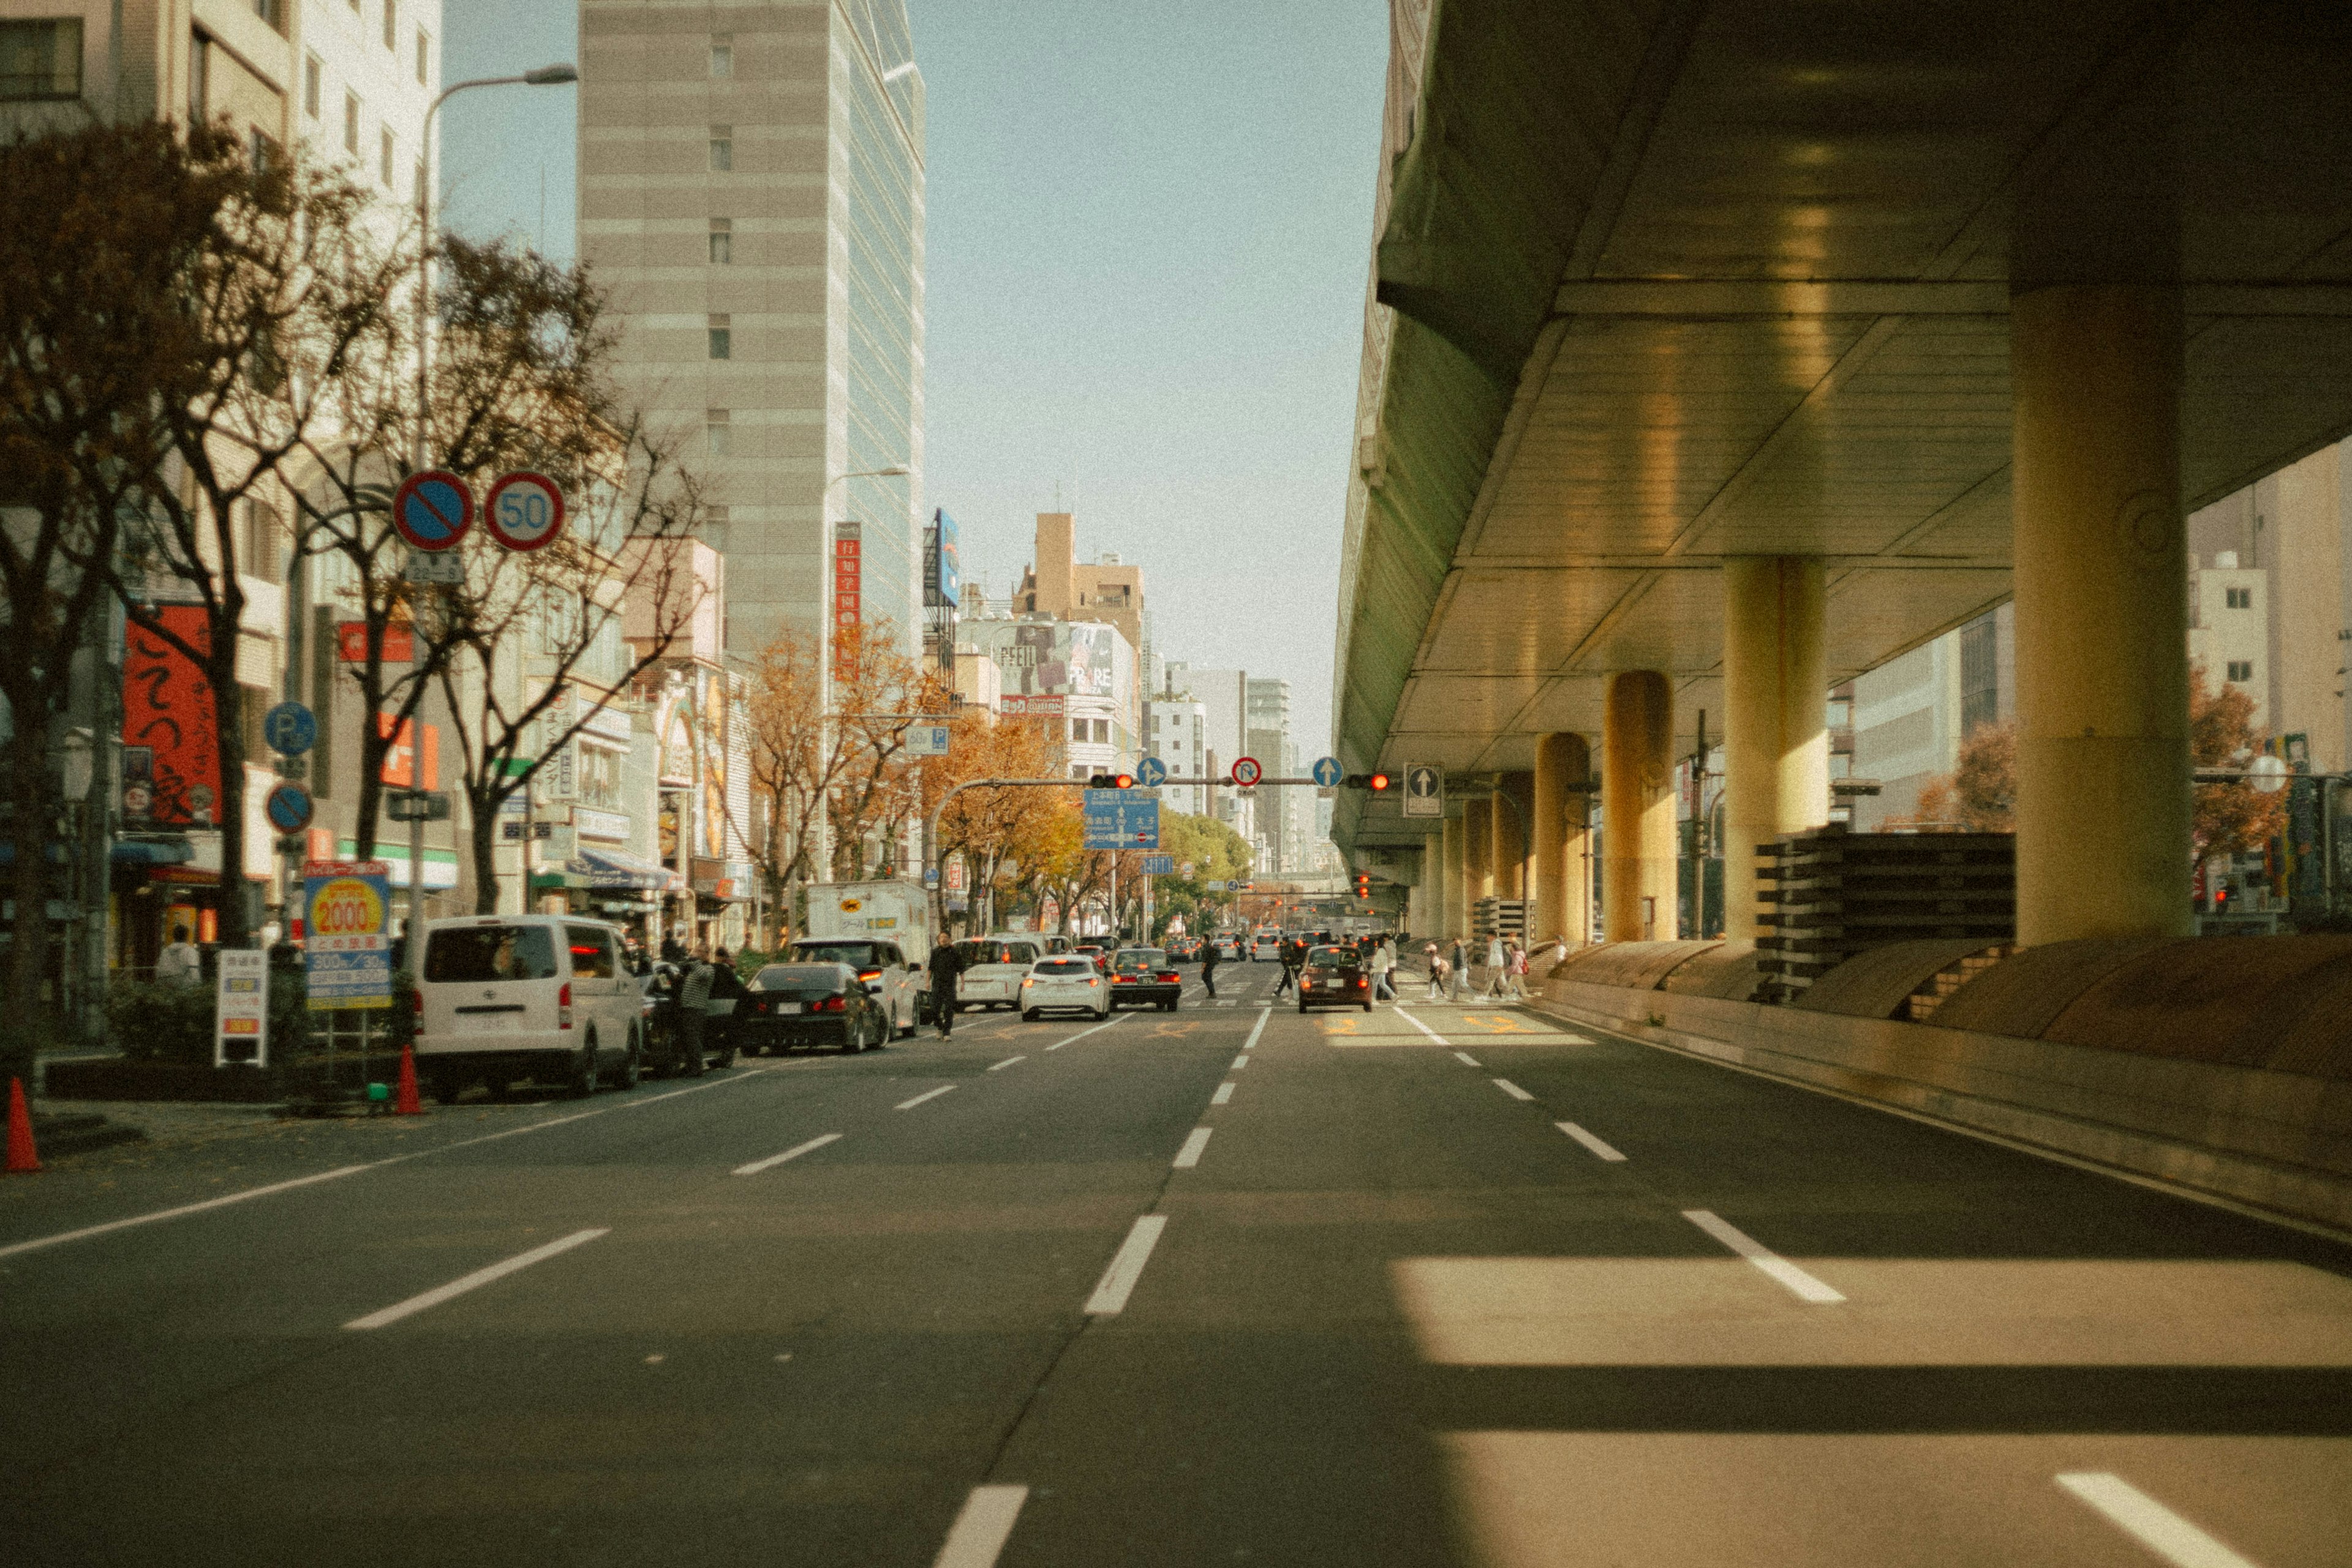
x: 1448, y: 1285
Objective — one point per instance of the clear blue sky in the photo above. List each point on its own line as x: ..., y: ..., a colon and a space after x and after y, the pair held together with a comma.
x: 1148, y: 229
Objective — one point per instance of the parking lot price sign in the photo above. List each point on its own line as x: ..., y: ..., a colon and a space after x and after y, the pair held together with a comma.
x: 347, y: 953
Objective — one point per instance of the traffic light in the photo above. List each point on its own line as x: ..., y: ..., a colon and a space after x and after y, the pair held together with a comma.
x: 1363, y: 885
x: 1374, y: 782
x: 1110, y: 781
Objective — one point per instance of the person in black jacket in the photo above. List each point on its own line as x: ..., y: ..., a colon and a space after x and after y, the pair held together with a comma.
x: 1209, y: 965
x: 946, y: 964
x: 1291, y: 955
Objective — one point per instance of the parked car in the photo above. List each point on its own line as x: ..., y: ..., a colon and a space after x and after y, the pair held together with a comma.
x: 792, y: 1006
x: 1067, y: 982
x: 896, y: 980
x: 993, y: 968
x: 509, y: 997
x: 1144, y: 977
x: 1334, y: 977
x: 1096, y: 952
x: 1229, y: 948
x: 664, y: 1041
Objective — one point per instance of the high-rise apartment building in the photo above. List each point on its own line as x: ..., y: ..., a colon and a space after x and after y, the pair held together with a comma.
x: 1267, y: 708
x: 751, y: 190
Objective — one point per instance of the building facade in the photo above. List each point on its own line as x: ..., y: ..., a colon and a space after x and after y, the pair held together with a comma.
x: 752, y: 189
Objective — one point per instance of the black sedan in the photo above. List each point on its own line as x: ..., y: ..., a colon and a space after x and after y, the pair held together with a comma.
x: 791, y: 1005
x: 665, y: 1042
x: 1144, y: 977
x: 1334, y: 977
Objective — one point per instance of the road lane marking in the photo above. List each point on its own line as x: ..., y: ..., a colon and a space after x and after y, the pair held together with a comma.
x: 1126, y: 1266
x: 89, y: 1230
x: 995, y: 1067
x: 1803, y: 1286
x: 1514, y: 1091
x: 476, y: 1279
x: 2149, y: 1523
x: 930, y: 1094
x: 1255, y: 1031
x: 1588, y: 1141
x: 1082, y: 1033
x: 1190, y: 1155
x: 673, y: 1094
x: 756, y: 1166
x: 1230, y: 1002
x: 1466, y: 1059
x: 982, y: 1528
x: 1224, y: 1092
x: 1417, y: 1024
x: 1241, y: 1061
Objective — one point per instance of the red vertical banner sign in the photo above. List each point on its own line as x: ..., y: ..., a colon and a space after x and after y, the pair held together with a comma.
x: 167, y: 704
x: 848, y: 584
x: 401, y: 759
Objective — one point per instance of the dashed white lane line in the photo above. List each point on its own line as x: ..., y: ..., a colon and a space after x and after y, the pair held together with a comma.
x: 1588, y: 1141
x: 1417, y: 1024
x: 1241, y: 1061
x: 476, y: 1279
x: 982, y: 1528
x: 1000, y: 1067
x: 1229, y: 1001
x: 929, y: 1094
x: 1224, y: 1092
x: 1803, y: 1286
x: 1082, y: 1033
x: 1255, y: 1031
x: 1514, y: 1091
x: 89, y: 1230
x: 2149, y: 1523
x: 1190, y: 1155
x: 1126, y: 1266
x: 1466, y: 1059
x: 756, y: 1166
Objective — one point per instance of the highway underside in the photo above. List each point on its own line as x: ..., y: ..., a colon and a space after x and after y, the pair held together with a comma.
x: 1450, y: 1286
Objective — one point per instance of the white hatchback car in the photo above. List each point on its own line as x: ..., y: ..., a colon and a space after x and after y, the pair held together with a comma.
x: 543, y: 997
x: 1069, y: 983
x: 993, y: 968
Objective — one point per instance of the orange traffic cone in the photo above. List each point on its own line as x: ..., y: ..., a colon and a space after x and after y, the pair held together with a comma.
x: 405, y: 1103
x: 22, y: 1156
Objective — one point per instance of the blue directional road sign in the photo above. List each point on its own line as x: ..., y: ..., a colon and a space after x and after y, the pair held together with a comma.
x: 290, y: 729
x: 1152, y: 772
x: 1327, y: 771
x: 1159, y: 865
x: 288, y: 808
x: 1122, y: 819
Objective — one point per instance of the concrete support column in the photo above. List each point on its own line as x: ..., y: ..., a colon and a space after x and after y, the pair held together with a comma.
x: 2102, y: 801
x: 1511, y: 835
x: 1478, y: 855
x: 1453, y: 911
x: 1637, y: 808
x: 1563, y: 903
x: 1776, y: 742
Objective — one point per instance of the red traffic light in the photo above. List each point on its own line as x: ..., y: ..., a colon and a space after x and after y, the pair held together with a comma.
x: 1123, y: 781
x: 1378, y: 781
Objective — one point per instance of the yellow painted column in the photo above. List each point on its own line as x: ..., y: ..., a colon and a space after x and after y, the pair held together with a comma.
x: 1563, y: 903
x: 1477, y: 856
x: 1511, y: 835
x: 2102, y: 607
x: 1637, y: 808
x: 1775, y: 741
x: 1453, y: 915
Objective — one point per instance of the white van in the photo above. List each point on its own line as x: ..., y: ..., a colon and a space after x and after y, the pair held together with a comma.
x: 994, y: 966
x: 543, y: 997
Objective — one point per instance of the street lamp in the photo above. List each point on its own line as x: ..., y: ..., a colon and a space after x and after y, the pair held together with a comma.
x: 825, y: 661
x: 543, y: 76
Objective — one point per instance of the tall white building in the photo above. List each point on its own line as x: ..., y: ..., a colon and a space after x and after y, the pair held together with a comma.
x: 1176, y: 731
x: 752, y: 189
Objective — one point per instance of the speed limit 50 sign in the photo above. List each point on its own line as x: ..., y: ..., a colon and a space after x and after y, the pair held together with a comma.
x: 524, y: 512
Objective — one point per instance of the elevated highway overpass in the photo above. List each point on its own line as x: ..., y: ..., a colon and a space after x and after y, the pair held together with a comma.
x: 1716, y: 352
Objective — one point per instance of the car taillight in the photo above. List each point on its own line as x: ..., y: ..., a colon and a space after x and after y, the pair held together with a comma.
x: 1168, y: 974
x: 830, y: 1005
x: 416, y: 1005
x: 869, y: 974
x: 1362, y: 982
x: 1091, y: 980
x: 564, y: 1006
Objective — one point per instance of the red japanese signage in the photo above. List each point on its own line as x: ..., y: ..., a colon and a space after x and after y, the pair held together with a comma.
x: 168, y: 709
x: 849, y: 583
x: 350, y: 643
x: 400, y: 767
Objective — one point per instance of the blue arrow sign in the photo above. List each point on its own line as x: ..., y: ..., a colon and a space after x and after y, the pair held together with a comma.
x: 1152, y: 772
x: 1122, y: 819
x: 290, y: 728
x: 1327, y: 771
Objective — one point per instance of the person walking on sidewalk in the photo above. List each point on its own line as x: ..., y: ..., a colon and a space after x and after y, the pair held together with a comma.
x: 1457, y: 961
x: 946, y: 967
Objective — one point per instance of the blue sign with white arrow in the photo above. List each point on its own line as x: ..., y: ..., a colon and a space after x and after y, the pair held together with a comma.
x: 1122, y: 819
x: 1152, y: 772
x: 1327, y: 771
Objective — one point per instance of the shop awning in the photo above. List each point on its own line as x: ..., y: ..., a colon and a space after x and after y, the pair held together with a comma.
x: 126, y: 852
x: 614, y: 868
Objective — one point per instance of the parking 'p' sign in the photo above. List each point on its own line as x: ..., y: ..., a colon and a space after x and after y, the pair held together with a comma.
x: 525, y: 512
x: 432, y: 509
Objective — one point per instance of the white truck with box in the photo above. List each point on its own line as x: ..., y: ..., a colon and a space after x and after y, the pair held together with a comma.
x: 882, y: 930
